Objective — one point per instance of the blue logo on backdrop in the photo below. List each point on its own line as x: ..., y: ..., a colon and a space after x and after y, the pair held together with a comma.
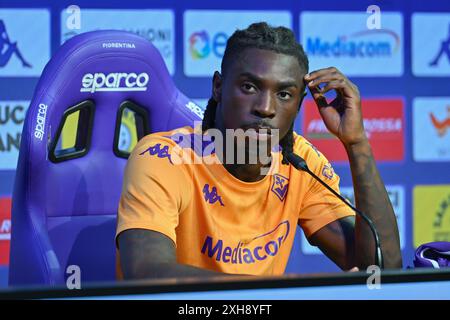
x: 8, y: 48
x: 430, y: 44
x: 444, y: 51
x: 24, y: 41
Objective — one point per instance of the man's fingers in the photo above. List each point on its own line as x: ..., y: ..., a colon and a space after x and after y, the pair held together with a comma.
x: 324, y: 79
x: 333, y: 85
x: 318, y: 73
x: 318, y: 97
x: 354, y: 269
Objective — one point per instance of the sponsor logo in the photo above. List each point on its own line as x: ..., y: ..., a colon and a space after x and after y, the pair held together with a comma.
x: 11, y: 48
x: 280, y: 186
x: 258, y: 249
x: 199, y: 45
x: 12, y: 117
x: 444, y: 51
x: 5, y: 229
x: 119, y: 81
x: 383, y: 122
x: 212, y: 196
x: 118, y: 45
x: 441, y: 126
x: 341, y: 39
x: 195, y: 109
x: 24, y: 41
x: 157, y: 26
x: 317, y: 128
x: 157, y: 150
x: 431, y: 44
x: 431, y: 214
x: 355, y: 45
x: 431, y: 129
x: 396, y: 195
x: 39, y: 129
x: 206, y: 33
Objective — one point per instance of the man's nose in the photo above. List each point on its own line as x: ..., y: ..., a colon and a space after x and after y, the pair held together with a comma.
x: 265, y: 106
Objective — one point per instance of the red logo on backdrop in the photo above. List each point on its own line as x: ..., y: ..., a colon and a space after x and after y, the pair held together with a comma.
x: 5, y: 229
x: 383, y: 121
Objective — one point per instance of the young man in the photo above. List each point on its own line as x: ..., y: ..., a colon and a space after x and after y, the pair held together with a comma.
x: 229, y: 217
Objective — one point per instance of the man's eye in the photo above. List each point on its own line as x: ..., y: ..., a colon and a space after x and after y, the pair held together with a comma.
x: 248, y: 87
x: 284, y: 95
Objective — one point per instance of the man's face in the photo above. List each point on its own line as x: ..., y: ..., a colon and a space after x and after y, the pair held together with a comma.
x: 261, y: 89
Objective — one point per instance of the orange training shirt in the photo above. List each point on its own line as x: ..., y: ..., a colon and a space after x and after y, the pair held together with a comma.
x: 217, y: 221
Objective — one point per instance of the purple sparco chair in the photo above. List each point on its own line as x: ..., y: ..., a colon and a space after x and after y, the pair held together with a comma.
x: 432, y: 255
x: 65, y: 200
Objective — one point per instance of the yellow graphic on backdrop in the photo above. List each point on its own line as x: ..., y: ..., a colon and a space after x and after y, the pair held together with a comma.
x: 431, y: 214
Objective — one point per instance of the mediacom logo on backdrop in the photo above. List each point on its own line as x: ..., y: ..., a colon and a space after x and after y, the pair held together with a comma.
x: 383, y: 122
x: 5, y: 229
x: 341, y: 39
x: 355, y: 45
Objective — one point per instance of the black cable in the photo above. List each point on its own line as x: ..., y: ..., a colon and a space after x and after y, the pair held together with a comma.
x: 300, y: 164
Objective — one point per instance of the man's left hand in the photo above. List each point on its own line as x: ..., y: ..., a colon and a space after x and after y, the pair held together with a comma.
x: 342, y: 116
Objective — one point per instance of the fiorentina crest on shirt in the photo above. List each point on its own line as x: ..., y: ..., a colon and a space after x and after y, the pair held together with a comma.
x: 280, y: 186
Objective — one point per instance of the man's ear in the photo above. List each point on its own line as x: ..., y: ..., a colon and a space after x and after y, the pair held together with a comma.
x: 217, y: 86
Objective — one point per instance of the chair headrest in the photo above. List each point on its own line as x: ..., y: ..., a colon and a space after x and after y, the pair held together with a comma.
x: 103, y: 68
x: 107, y: 67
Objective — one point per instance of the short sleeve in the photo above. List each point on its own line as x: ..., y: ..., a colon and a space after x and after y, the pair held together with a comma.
x: 155, y: 189
x: 320, y: 207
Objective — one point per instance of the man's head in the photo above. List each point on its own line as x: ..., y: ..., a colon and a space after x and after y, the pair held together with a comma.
x: 260, y: 84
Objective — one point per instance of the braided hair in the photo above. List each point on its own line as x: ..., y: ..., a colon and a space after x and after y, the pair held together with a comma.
x: 260, y: 36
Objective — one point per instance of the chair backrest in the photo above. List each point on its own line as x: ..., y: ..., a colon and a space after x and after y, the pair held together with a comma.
x: 65, y: 201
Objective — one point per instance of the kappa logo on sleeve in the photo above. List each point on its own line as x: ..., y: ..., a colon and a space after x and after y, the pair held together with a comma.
x: 157, y: 150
